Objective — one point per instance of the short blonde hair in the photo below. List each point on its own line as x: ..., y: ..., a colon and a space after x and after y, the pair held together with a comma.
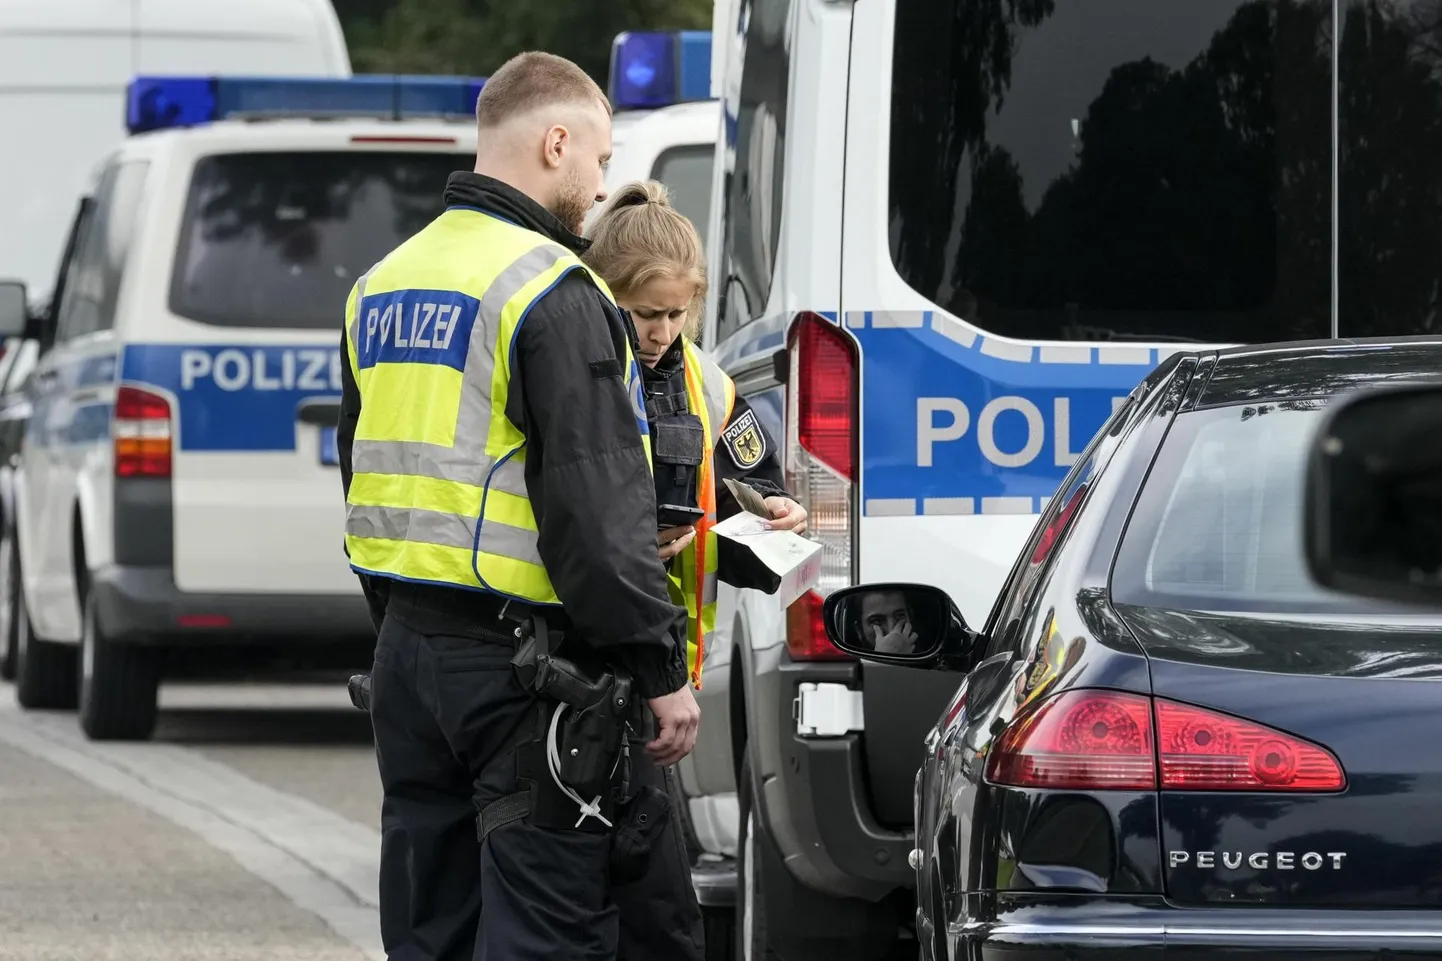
x: 529, y: 81
x: 639, y: 236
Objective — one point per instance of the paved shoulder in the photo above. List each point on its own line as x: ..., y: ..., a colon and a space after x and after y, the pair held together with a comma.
x: 302, y: 860
x: 87, y: 874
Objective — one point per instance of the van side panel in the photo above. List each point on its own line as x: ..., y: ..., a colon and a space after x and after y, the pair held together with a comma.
x: 257, y: 37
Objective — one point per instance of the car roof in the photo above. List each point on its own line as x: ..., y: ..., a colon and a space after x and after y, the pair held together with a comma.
x: 1316, y: 368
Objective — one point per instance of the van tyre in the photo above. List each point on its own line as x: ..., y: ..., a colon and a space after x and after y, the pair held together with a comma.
x: 811, y: 926
x: 46, y: 674
x: 750, y: 936
x: 9, y: 565
x: 119, y: 685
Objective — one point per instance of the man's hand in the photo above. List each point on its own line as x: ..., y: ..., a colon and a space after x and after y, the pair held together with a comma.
x: 677, y: 717
x: 673, y: 540
x: 902, y: 640
x: 786, y: 515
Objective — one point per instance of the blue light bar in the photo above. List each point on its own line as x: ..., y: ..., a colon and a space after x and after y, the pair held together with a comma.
x: 651, y: 69
x: 158, y: 103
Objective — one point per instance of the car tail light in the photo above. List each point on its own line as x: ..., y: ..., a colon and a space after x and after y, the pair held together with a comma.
x: 1081, y: 740
x: 142, y: 434
x: 821, y: 467
x: 1201, y: 750
x: 1103, y: 740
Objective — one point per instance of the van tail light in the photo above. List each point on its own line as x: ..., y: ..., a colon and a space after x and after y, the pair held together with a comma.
x: 141, y: 431
x: 1205, y: 751
x: 1058, y: 526
x: 1113, y: 741
x: 821, y: 467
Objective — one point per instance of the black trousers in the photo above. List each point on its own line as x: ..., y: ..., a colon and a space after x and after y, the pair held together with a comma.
x: 444, y: 709
x: 660, y: 918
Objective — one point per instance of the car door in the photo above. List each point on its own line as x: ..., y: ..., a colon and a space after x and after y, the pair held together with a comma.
x: 75, y: 382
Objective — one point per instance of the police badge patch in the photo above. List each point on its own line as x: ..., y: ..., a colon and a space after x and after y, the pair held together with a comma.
x: 744, y: 440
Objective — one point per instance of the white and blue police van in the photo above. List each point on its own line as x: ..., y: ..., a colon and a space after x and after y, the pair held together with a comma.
x: 949, y: 238
x: 665, y: 121
x: 178, y: 487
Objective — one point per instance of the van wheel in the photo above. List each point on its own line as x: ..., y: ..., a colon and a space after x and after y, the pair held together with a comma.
x: 9, y: 563
x: 750, y: 938
x: 119, y: 685
x: 46, y: 673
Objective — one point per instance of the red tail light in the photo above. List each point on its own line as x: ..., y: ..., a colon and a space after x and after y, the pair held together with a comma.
x: 806, y: 638
x: 141, y: 431
x: 1205, y: 751
x: 1080, y: 740
x: 826, y: 381
x: 821, y: 469
x: 1103, y: 740
x: 1058, y: 526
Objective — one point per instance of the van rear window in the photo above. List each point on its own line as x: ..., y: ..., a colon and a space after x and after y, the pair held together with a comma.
x: 278, y: 239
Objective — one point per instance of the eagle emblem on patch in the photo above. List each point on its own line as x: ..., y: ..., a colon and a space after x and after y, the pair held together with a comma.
x: 745, y: 443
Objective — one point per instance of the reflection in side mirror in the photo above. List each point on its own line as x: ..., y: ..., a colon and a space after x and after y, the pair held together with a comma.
x: 909, y: 624
x: 1374, y: 496
x: 14, y: 309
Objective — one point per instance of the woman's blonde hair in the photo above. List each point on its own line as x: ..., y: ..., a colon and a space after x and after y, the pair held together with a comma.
x: 639, y: 236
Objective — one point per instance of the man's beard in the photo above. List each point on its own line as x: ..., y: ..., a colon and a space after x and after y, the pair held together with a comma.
x: 572, y: 203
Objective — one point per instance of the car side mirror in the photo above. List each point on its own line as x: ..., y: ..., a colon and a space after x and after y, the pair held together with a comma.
x: 14, y: 309
x: 911, y: 625
x: 1374, y: 496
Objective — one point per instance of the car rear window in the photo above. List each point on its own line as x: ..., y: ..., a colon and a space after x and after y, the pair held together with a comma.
x: 278, y: 239
x: 1218, y: 526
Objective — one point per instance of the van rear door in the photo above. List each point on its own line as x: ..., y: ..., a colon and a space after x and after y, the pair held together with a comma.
x: 269, y: 247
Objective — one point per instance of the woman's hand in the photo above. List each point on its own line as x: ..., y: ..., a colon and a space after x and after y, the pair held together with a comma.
x: 786, y: 515
x: 673, y: 540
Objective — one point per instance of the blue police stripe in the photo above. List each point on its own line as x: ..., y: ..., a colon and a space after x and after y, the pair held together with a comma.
x: 237, y: 397
x: 416, y: 327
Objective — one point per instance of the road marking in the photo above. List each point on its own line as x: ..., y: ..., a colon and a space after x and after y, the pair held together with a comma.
x: 321, y: 862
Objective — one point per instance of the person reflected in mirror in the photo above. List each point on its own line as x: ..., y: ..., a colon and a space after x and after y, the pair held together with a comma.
x: 886, y: 623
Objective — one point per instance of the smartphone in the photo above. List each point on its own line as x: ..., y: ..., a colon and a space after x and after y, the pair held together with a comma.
x: 674, y: 515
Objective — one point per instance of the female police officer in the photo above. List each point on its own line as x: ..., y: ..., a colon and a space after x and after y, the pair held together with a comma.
x: 651, y: 257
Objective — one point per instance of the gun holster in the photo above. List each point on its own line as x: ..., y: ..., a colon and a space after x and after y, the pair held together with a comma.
x: 591, y: 740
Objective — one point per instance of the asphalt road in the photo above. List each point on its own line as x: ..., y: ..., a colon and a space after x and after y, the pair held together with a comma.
x: 247, y: 829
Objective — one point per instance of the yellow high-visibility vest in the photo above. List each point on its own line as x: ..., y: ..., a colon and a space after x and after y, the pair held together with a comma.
x: 438, y: 494
x: 710, y: 395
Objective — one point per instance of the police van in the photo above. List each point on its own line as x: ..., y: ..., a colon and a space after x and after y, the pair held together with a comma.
x: 666, y: 122
x: 949, y: 238
x: 178, y: 485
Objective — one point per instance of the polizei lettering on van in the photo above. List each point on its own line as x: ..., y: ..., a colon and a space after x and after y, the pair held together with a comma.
x: 312, y: 369
x: 943, y: 420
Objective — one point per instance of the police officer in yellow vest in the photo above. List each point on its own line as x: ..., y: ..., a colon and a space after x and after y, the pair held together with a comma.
x: 702, y: 433
x: 497, y: 465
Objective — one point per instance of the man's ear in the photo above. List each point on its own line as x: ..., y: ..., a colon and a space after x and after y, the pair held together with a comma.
x: 558, y: 140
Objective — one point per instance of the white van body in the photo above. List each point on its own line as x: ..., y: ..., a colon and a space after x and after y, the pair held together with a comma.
x: 64, y: 66
x: 199, y: 308
x: 675, y: 145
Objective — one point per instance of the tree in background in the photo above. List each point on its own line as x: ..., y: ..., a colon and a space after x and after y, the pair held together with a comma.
x: 474, y: 37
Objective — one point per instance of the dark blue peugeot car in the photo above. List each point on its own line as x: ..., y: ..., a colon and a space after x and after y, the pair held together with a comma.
x: 1167, y: 736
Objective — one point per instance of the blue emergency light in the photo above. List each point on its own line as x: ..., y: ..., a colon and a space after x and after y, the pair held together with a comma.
x: 157, y: 103
x: 651, y: 69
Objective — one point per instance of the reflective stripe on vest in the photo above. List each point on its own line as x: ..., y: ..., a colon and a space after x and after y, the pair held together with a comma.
x: 711, y: 395
x: 438, y: 493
